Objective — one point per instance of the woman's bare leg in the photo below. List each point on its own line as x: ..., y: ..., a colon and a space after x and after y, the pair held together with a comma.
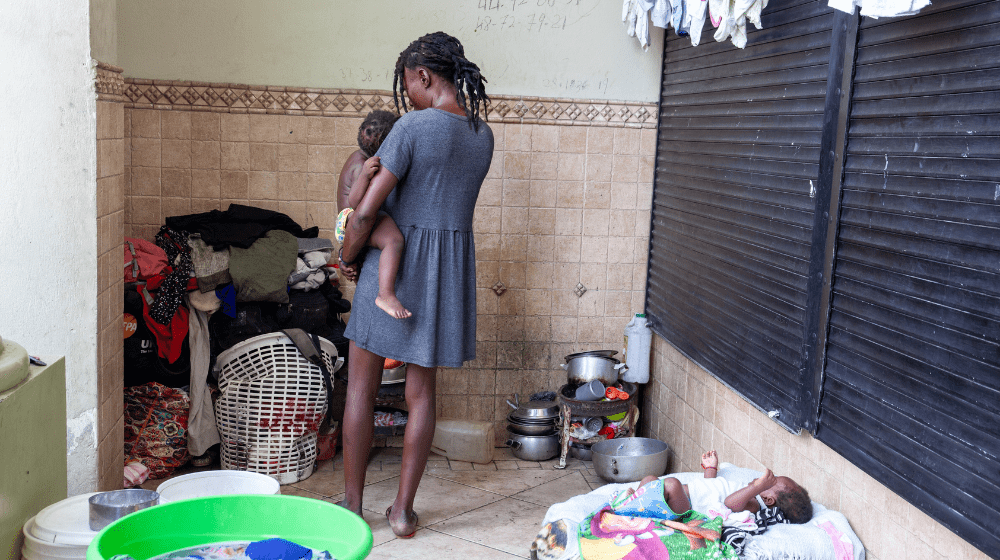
x: 364, y: 374
x: 420, y: 400
x: 387, y: 237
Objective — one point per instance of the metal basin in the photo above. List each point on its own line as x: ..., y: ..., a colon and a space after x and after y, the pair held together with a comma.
x: 108, y: 507
x: 629, y: 459
x: 534, y: 410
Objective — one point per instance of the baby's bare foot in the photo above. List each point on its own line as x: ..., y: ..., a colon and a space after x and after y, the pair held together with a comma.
x: 392, y: 306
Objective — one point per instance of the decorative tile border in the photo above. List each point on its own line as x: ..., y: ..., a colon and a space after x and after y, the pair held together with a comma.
x: 109, y: 83
x: 239, y: 98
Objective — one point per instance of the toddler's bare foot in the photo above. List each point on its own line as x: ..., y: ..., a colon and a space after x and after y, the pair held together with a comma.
x: 392, y: 306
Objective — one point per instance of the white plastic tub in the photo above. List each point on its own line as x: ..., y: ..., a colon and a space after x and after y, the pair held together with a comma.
x: 464, y: 440
x: 216, y: 483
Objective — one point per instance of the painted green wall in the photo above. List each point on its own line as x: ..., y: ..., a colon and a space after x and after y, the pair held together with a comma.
x: 33, y: 440
x: 549, y: 48
x: 103, y: 31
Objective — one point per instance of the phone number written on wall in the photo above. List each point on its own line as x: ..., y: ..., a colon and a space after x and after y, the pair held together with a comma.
x: 499, y: 16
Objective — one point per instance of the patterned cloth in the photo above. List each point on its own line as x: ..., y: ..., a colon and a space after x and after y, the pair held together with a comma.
x: 738, y: 537
x: 171, y: 292
x: 156, y: 419
x: 606, y: 535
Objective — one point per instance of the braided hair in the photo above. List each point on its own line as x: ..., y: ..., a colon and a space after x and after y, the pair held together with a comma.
x: 444, y: 55
x: 374, y: 129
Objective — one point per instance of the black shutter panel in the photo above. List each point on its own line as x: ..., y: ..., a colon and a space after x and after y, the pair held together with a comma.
x: 912, y: 387
x: 736, y: 171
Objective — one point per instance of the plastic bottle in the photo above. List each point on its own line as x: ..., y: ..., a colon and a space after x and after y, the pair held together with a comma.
x: 464, y: 440
x: 638, y: 344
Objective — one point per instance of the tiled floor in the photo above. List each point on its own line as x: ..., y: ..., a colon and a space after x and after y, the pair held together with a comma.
x: 466, y: 510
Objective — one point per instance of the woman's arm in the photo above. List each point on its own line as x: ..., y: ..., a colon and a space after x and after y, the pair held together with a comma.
x: 363, y: 219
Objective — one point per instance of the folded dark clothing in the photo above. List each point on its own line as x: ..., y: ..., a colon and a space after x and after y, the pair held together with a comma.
x: 238, y: 226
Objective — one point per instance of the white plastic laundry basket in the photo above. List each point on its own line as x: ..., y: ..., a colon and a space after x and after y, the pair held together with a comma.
x: 271, y: 404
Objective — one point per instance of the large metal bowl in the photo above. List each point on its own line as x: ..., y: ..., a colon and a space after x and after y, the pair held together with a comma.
x: 629, y: 459
x: 534, y: 448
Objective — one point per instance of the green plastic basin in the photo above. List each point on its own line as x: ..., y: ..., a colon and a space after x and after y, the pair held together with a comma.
x: 186, y: 523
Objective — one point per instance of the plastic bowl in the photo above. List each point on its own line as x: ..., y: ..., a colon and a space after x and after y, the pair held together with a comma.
x: 168, y: 527
x: 216, y: 483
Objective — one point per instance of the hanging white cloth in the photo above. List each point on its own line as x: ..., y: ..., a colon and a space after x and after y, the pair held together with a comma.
x: 881, y: 8
x: 694, y: 18
x: 660, y: 14
x: 635, y: 15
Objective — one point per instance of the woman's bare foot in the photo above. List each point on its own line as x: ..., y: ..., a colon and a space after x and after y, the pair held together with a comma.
x: 392, y: 306
x: 343, y: 504
x: 403, y: 528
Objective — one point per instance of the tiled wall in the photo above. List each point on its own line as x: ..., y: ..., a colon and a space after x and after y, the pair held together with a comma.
x: 110, y: 229
x: 692, y: 411
x: 564, y: 210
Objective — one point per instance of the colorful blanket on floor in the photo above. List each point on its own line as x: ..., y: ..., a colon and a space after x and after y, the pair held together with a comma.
x: 606, y: 535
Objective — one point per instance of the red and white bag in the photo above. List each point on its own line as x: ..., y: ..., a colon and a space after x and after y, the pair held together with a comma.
x: 143, y: 260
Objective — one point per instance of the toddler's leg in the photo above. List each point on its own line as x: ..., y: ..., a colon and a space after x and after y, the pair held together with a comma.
x: 675, y: 496
x: 387, y: 237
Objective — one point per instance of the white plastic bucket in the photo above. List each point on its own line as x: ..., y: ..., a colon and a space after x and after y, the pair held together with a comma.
x: 464, y: 440
x: 216, y: 483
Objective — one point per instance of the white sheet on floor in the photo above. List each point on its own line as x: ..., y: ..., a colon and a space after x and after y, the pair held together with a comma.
x: 780, y: 542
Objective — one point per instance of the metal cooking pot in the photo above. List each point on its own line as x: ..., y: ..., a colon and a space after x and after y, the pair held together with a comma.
x: 604, y: 353
x: 629, y: 459
x: 584, y: 369
x: 534, y: 448
x: 531, y: 429
x: 534, y: 410
x: 580, y: 451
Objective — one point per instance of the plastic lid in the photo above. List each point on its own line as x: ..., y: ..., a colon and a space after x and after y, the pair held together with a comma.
x: 66, y: 522
x: 216, y: 483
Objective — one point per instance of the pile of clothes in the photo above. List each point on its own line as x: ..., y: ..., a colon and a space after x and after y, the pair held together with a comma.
x: 213, y: 280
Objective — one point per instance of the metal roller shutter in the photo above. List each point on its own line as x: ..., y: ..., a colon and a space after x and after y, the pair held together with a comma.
x: 737, y: 164
x: 912, y: 380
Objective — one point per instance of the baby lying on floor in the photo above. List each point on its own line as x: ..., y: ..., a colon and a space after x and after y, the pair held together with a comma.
x: 667, y: 498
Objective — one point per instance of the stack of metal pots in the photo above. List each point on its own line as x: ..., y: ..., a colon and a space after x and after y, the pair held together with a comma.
x: 532, y: 430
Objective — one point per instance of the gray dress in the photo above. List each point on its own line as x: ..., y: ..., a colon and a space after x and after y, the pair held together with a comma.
x: 440, y: 162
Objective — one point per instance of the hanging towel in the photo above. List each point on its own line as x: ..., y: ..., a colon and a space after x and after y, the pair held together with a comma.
x: 660, y: 14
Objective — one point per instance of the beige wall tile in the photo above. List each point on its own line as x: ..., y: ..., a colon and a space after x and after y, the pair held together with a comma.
x: 293, y: 129
x: 544, y: 165
x: 263, y: 185
x: 145, y: 123
x: 517, y: 165
x: 206, y: 126
x: 516, y: 192
x: 572, y: 166
x: 206, y: 154
x: 571, y: 194
x: 146, y: 152
x: 626, y: 141
x: 145, y: 181
x: 292, y: 186
x: 176, y: 153
x: 235, y: 185
x: 234, y: 128
x: 235, y: 156
x: 321, y: 187
x: 293, y: 158
x: 263, y: 157
x: 543, y: 194
x: 264, y: 128
x: 206, y: 183
x: 201, y: 205
x: 175, y: 125
x: 175, y: 183
x: 545, y: 138
x: 572, y: 139
x: 324, y: 159
x: 600, y: 140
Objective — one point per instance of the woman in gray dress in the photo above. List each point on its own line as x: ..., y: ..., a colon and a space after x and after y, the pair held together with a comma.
x: 432, y: 166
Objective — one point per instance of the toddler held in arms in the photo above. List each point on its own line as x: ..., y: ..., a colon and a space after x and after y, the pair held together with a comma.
x: 667, y: 498
x: 352, y: 190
